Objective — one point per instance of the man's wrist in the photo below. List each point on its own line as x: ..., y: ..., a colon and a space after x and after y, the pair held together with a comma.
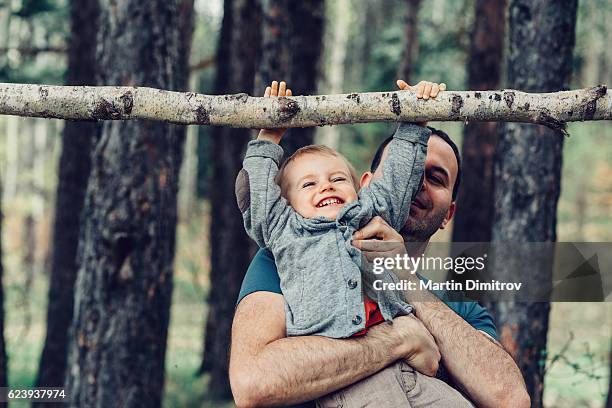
x: 383, y: 335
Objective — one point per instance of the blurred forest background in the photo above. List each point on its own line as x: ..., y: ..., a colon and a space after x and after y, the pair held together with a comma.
x: 344, y: 46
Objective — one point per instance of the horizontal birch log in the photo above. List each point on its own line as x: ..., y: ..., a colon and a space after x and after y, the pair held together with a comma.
x: 241, y: 110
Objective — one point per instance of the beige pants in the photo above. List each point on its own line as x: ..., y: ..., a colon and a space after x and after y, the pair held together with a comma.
x: 398, y: 385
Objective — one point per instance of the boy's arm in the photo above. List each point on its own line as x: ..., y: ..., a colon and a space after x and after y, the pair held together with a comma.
x: 258, y: 196
x: 402, y: 174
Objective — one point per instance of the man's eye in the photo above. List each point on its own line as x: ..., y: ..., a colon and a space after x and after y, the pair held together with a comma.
x: 436, y: 180
x: 308, y: 184
x: 336, y: 179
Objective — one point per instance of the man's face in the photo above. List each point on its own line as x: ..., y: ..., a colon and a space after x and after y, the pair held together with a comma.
x: 433, y: 206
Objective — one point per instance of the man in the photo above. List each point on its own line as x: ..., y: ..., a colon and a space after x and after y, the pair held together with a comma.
x: 267, y: 368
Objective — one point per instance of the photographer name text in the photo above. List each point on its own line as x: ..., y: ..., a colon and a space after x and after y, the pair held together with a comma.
x: 451, y: 285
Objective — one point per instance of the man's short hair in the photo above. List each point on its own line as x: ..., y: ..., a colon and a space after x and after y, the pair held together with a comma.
x: 315, y: 149
x: 436, y: 132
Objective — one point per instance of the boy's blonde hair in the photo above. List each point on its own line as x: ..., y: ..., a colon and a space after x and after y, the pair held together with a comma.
x: 314, y: 149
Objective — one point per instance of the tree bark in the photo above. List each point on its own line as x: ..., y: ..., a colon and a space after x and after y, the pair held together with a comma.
x: 74, y: 166
x: 473, y: 222
x: 126, y: 246
x: 3, y: 356
x: 236, y: 65
x: 527, y: 177
x: 609, y: 400
x: 243, y: 111
x: 411, y: 39
x: 292, y: 43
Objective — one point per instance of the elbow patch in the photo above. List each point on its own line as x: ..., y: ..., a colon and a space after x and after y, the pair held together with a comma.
x: 243, y: 190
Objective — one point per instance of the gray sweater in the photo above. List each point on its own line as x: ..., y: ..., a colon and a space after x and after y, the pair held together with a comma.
x: 319, y: 268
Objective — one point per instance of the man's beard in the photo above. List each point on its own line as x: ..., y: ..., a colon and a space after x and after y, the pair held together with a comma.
x: 421, y: 229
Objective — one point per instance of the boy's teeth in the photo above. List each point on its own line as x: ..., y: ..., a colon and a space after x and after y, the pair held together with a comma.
x: 329, y: 201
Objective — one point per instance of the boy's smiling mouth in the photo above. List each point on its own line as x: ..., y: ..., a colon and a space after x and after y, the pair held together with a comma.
x: 329, y: 201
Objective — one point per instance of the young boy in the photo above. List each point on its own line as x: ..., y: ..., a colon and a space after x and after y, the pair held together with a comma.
x: 306, y: 213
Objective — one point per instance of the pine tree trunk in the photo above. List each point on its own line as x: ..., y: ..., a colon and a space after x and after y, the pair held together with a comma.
x: 126, y: 246
x: 236, y: 64
x: 528, y: 175
x: 3, y: 356
x: 475, y: 200
x: 411, y: 39
x: 74, y: 166
x: 292, y: 43
x: 609, y: 401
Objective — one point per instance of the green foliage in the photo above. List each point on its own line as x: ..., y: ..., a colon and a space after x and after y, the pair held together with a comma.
x: 30, y: 8
x: 37, y: 35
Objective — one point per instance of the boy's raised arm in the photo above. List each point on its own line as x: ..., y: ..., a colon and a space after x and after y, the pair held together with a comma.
x: 403, y: 167
x: 258, y: 196
x: 402, y: 174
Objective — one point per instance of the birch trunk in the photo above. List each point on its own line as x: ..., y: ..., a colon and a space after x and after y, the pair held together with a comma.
x: 243, y: 111
x: 527, y: 178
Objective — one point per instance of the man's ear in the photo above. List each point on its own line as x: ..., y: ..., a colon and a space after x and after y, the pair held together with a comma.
x: 365, y: 180
x: 449, y: 215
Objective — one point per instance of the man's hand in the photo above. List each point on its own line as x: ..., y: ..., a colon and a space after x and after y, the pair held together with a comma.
x: 378, y: 240
x: 274, y: 90
x: 417, y: 345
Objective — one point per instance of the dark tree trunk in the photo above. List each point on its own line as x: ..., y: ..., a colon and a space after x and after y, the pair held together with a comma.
x: 609, y: 402
x: 74, y: 166
x: 292, y: 43
x: 186, y: 18
x: 126, y: 246
x: 411, y: 39
x: 528, y: 175
x: 3, y: 357
x: 236, y: 61
x: 475, y: 201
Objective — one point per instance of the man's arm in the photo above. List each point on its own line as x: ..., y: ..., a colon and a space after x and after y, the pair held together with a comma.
x: 477, y: 363
x: 268, y: 369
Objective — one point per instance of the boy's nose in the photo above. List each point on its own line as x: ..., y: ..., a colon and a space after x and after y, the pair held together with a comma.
x: 326, y: 186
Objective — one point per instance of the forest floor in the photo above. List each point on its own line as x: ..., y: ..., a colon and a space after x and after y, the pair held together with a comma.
x: 579, y: 377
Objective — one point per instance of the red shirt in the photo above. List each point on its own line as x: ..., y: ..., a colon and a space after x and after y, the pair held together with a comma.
x: 372, y: 315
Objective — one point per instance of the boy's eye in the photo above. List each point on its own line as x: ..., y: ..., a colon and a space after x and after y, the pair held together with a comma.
x: 335, y: 179
x: 308, y: 184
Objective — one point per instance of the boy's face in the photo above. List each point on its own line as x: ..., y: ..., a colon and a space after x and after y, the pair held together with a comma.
x: 318, y: 185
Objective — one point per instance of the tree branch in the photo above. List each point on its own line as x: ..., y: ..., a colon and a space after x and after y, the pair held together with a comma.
x: 241, y: 110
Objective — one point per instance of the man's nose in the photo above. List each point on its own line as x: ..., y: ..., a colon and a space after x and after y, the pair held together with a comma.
x: 424, y: 185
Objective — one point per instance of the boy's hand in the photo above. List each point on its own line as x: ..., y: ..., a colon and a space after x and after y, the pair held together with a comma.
x: 275, y: 89
x: 423, y: 89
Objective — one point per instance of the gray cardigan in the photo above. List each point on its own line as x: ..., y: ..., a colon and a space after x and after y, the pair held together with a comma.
x: 319, y: 268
